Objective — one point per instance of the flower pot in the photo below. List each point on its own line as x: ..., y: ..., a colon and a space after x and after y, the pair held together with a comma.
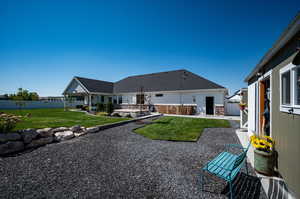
x: 242, y: 107
x: 264, y: 162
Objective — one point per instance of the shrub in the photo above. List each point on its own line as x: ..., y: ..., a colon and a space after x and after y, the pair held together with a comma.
x: 109, y: 108
x: 85, y: 108
x: 79, y: 106
x: 100, y: 107
x: 101, y: 114
x: 116, y: 115
x: 8, y: 122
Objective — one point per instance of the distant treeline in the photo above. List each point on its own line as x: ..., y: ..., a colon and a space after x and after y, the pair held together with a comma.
x: 21, y: 95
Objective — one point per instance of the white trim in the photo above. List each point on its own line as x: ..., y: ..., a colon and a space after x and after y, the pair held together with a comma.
x: 74, y: 78
x: 82, y: 85
x: 98, y: 93
x: 292, y: 106
x: 176, y: 91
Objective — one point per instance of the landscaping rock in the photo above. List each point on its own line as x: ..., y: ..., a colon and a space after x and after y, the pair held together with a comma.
x: 80, y: 133
x: 46, y: 132
x: 5, y: 137
x: 39, y: 142
x: 76, y: 128
x: 11, y: 147
x: 65, y: 135
x: 60, y: 129
x: 28, y: 135
x: 92, y: 129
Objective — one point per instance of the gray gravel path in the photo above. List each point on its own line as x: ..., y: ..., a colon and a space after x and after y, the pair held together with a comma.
x: 116, y: 163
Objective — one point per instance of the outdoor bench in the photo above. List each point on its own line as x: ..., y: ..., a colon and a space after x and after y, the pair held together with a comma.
x: 227, y: 165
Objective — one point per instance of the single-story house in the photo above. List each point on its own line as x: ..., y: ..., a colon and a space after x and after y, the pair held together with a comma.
x: 178, y: 92
x: 274, y: 101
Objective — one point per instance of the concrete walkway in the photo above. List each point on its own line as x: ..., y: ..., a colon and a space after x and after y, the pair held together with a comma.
x: 220, y: 117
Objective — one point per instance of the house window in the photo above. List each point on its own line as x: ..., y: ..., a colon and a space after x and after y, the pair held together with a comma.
x: 290, y: 89
x: 140, y: 99
x: 102, y: 98
x: 115, y: 99
x: 194, y: 99
x: 286, y: 88
x: 159, y: 95
x: 120, y: 99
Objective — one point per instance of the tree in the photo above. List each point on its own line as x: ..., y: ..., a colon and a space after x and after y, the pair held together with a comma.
x: 24, y: 95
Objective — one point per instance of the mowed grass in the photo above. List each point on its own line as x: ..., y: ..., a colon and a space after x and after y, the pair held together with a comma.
x: 43, y: 118
x: 179, y: 128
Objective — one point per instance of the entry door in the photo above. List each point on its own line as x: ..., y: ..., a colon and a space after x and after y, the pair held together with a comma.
x: 209, y: 101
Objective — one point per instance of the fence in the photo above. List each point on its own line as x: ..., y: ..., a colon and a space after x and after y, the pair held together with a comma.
x: 232, y: 108
x: 10, y: 104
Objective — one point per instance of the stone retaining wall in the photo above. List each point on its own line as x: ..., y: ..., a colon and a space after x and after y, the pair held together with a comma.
x: 11, y: 143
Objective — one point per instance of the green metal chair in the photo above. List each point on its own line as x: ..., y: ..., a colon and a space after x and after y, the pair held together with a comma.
x: 227, y: 165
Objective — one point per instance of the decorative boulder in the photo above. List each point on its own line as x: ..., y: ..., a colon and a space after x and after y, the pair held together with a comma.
x: 11, y: 147
x: 64, y: 135
x: 46, y: 132
x: 60, y: 129
x: 75, y: 128
x: 28, y: 135
x: 5, y: 137
x: 92, y: 129
x: 39, y: 142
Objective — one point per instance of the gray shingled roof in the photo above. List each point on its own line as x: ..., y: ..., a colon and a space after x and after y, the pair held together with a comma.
x: 96, y: 86
x: 164, y: 81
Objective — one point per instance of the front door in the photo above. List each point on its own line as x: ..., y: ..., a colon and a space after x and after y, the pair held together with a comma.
x: 209, y: 101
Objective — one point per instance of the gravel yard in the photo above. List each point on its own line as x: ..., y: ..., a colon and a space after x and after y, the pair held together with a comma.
x: 117, y: 163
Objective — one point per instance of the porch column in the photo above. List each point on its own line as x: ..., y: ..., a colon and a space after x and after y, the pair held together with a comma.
x: 65, y: 108
x: 90, y: 102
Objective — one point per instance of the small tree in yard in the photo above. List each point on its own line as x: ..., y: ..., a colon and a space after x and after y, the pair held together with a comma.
x: 100, y: 107
x: 109, y: 108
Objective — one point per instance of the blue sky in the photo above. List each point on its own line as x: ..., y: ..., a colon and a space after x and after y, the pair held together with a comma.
x: 43, y: 44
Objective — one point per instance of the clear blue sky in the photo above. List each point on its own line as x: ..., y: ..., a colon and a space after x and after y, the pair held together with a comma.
x: 43, y: 44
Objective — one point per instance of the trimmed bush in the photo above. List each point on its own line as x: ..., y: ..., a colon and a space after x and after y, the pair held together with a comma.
x: 100, y: 107
x: 102, y: 114
x: 109, y: 108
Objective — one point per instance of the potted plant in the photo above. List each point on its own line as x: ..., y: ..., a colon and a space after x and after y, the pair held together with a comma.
x: 242, y: 106
x: 263, y: 154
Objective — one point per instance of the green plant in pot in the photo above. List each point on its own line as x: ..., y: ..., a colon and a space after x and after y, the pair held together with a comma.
x: 263, y: 154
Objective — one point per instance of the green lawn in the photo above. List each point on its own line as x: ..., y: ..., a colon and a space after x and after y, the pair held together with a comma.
x: 42, y: 118
x: 179, y: 128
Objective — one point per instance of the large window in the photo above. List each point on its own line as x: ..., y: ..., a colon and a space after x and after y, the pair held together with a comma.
x: 120, y: 99
x: 286, y: 88
x: 290, y: 89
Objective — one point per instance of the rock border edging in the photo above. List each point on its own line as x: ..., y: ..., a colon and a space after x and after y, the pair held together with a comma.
x: 16, y: 142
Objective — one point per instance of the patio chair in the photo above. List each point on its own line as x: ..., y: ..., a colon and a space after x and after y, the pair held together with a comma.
x: 227, y: 165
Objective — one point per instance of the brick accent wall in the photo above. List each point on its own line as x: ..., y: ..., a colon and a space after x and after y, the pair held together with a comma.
x: 219, y: 110
x: 176, y: 109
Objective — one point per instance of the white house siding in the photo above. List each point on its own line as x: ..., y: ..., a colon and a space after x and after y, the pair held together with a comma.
x: 75, y: 87
x: 251, y: 107
x: 178, y: 98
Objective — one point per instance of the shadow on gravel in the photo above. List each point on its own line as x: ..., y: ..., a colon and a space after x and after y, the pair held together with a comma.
x: 244, y: 186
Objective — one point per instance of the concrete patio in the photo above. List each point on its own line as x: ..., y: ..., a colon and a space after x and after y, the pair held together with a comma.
x: 117, y: 163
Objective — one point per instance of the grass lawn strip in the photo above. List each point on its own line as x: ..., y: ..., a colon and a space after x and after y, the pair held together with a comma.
x: 179, y: 128
x: 43, y: 118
